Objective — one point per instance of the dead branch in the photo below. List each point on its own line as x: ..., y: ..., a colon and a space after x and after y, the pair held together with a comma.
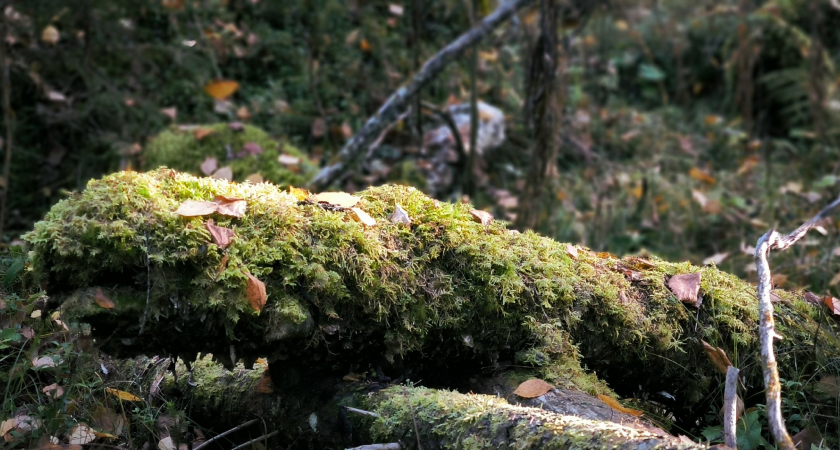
x: 730, y: 407
x: 236, y: 428
x: 399, y: 99
x: 767, y: 328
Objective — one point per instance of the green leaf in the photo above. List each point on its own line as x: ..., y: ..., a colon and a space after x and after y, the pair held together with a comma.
x: 9, y: 334
x: 13, y: 271
x: 649, y: 72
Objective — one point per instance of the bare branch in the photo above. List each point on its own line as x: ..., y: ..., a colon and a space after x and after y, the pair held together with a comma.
x: 388, y: 446
x: 237, y: 428
x: 730, y: 407
x: 767, y: 328
x: 399, y: 99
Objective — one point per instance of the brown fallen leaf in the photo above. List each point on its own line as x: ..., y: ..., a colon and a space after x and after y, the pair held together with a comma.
x: 810, y: 436
x: 236, y: 126
x: 255, y: 178
x: 718, y: 357
x: 123, y: 395
x: 484, y: 217
x: 613, y: 403
x: 812, y: 298
x: 533, y: 388
x: 243, y: 113
x: 223, y: 173
x: 400, y: 216
x: 352, y: 377
x: 171, y: 112
x: 209, y: 165
x: 572, y: 251
x: 195, y: 208
x: 108, y: 420
x: 221, y: 89
x: 102, y: 300
x: 201, y: 133
x: 50, y: 35
x: 701, y: 175
x: 252, y: 148
x: 6, y: 426
x: 264, y: 385
x: 341, y: 199
x: 230, y: 206
x: 364, y: 217
x: 833, y: 304
x: 256, y: 292
x: 686, y: 287
x: 221, y: 235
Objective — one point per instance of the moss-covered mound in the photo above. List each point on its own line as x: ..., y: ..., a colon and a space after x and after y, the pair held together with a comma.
x: 246, y: 149
x: 445, y: 291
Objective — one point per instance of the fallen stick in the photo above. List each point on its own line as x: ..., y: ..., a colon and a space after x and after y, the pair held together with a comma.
x: 767, y: 328
x: 730, y: 407
x: 399, y: 99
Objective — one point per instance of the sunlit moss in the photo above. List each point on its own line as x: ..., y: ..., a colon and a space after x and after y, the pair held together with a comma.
x: 178, y: 148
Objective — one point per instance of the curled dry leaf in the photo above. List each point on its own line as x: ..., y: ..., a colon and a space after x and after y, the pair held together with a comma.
x: 195, y: 208
x: 400, y: 216
x: 613, y: 403
x: 201, y: 133
x: 221, y: 89
x: 230, y: 206
x: 532, y: 388
x: 27, y: 332
x: 44, y: 361
x: 221, y: 235
x: 123, y: 395
x: 482, y: 216
x: 288, y: 160
x: 341, y: 199
x: 224, y: 173
x: 812, y: 298
x: 209, y: 165
x: 717, y: 356
x: 81, y: 435
x: 364, y: 217
x: 572, y: 251
x: 53, y: 390
x: 256, y: 292
x: 102, y: 300
x: 686, y: 287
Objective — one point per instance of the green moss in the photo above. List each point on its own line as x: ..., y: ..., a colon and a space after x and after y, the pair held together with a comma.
x: 452, y: 420
x: 179, y: 149
x: 446, y: 288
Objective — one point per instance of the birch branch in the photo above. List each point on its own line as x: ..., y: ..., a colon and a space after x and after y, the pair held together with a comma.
x: 399, y: 100
x: 730, y: 407
x: 767, y: 328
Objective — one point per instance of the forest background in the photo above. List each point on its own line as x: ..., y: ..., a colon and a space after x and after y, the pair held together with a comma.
x: 680, y: 129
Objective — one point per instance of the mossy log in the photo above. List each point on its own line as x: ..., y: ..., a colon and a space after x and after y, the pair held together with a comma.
x: 444, y: 296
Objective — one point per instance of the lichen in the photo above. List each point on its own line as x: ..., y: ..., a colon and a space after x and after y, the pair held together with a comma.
x: 180, y: 149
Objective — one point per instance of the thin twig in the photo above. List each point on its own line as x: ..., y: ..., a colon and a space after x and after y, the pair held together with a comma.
x: 8, y: 118
x: 469, y: 171
x: 361, y: 411
x: 398, y: 100
x: 254, y: 441
x: 413, y: 419
x: 773, y: 389
x: 148, y: 284
x: 237, y: 428
x: 730, y: 407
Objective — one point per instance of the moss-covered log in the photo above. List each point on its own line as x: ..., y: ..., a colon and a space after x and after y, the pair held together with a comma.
x: 446, y: 294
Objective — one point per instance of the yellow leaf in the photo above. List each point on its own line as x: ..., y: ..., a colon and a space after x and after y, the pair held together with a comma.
x: 221, y: 89
x: 613, y: 403
x: 342, y: 199
x: 364, y: 217
x: 701, y: 175
x: 365, y: 45
x: 123, y: 395
x: 201, y: 133
x: 298, y: 193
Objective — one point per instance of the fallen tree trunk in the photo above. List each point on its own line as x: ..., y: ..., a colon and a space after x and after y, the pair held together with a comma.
x: 442, y: 299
